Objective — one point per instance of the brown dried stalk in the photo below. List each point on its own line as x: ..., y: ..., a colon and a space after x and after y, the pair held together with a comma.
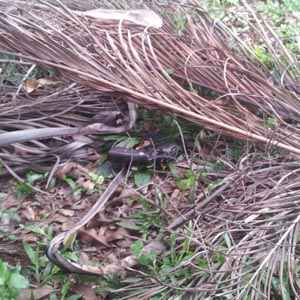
x: 125, y: 58
x: 60, y: 116
x: 248, y: 237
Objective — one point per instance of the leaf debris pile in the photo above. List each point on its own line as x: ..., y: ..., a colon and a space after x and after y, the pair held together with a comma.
x: 229, y: 230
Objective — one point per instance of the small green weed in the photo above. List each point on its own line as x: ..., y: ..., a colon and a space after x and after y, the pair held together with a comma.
x: 41, y: 269
x: 170, y: 269
x: 11, y: 281
x: 177, y: 255
x: 142, y: 178
x: 187, y: 181
x: 263, y: 56
x: 39, y: 262
x: 270, y: 122
x: 76, y: 189
x: 148, y: 220
x: 145, y: 259
x: 122, y: 141
x: 179, y: 21
x: 24, y: 189
x: 287, y: 28
x: 217, y: 8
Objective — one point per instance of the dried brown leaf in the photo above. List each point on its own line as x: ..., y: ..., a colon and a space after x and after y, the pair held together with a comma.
x: 87, y: 292
x: 36, y: 293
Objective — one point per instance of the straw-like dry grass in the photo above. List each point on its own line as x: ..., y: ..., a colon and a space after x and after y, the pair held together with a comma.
x: 243, y: 243
x: 248, y: 232
x: 159, y: 68
x: 61, y: 118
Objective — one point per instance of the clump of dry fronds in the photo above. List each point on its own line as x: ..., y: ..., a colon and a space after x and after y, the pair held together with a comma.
x: 243, y: 244
x: 51, y: 124
x: 248, y: 233
x: 160, y: 68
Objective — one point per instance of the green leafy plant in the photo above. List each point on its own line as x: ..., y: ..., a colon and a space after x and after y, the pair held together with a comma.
x: 271, y: 122
x: 287, y: 28
x: 148, y: 220
x: 96, y: 178
x: 179, y: 253
x: 24, y: 189
x: 128, y: 142
x: 76, y: 189
x: 263, y: 56
x: 122, y: 141
x: 179, y: 21
x: 145, y: 259
x: 11, y: 281
x: 41, y: 267
x: 142, y: 178
x: 187, y: 181
x: 43, y: 271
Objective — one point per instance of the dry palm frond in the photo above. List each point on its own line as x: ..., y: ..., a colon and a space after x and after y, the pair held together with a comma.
x: 262, y: 231
x: 122, y: 57
x: 249, y: 234
x: 286, y: 64
x: 244, y: 244
x: 60, y: 116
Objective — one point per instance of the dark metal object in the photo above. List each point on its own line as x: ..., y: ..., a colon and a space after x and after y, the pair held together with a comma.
x: 146, y: 155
